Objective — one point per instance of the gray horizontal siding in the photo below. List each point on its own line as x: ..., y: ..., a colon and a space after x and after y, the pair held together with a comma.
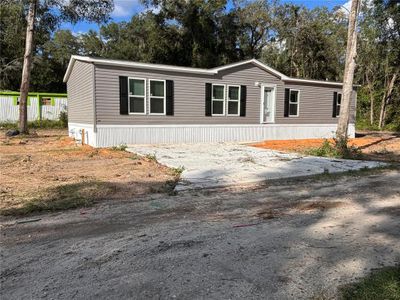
x: 80, y: 93
x: 316, y: 105
x: 189, y: 89
x: 189, y: 95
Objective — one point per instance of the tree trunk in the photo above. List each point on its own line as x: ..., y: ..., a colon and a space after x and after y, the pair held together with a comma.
x: 386, y: 99
x: 371, y: 98
x: 26, y: 70
x: 351, y: 52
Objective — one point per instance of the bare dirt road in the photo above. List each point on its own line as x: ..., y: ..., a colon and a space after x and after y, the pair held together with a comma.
x: 294, y: 240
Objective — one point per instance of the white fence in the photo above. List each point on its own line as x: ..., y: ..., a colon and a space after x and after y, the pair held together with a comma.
x: 9, y: 109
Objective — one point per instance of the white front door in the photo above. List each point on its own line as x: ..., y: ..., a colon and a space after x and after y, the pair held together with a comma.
x: 268, y: 104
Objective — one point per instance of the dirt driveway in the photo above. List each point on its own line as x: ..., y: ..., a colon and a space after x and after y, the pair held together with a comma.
x: 295, y: 240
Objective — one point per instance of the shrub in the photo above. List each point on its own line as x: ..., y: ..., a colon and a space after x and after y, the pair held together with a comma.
x: 121, y: 147
x: 177, y: 171
x: 64, y: 118
x: 338, y: 149
x: 43, y: 124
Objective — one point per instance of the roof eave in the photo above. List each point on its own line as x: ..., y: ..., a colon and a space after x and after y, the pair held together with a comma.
x: 298, y: 80
x: 136, y: 65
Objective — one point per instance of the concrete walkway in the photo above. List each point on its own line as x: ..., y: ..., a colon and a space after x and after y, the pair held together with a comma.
x: 224, y: 164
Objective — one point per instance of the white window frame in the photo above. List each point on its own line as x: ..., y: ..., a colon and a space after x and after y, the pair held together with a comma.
x: 298, y: 103
x: 337, y: 104
x: 223, y: 100
x: 137, y: 96
x: 158, y: 97
x: 229, y: 100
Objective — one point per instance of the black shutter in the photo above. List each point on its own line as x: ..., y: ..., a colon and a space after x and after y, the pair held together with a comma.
x: 170, y: 98
x: 243, y: 96
x: 286, y: 106
x: 123, y: 95
x: 208, y: 99
x: 335, y: 97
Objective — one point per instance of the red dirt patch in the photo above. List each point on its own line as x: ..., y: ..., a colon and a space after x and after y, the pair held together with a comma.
x: 374, y: 146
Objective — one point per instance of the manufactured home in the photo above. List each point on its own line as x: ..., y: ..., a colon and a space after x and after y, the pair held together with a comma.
x: 113, y: 102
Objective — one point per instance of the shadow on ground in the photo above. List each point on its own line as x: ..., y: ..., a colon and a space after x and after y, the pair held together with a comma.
x: 296, y: 239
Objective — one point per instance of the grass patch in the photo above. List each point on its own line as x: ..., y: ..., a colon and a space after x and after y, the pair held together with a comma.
x: 38, y: 124
x: 81, y: 194
x: 336, y: 150
x: 121, y: 147
x: 380, y: 284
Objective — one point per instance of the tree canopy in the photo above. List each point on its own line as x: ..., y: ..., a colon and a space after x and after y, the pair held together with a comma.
x: 295, y: 40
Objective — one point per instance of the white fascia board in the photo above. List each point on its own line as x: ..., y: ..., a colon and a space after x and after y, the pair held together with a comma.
x: 212, y: 71
x: 253, y: 61
x: 122, y: 63
x: 298, y: 80
x: 160, y: 67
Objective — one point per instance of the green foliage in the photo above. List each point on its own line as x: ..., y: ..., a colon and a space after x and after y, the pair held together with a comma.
x: 380, y: 284
x: 177, y: 171
x: 151, y: 157
x: 338, y: 149
x: 42, y: 124
x: 63, y: 118
x: 121, y: 147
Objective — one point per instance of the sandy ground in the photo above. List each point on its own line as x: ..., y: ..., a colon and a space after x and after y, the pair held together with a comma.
x: 225, y: 164
x: 32, y: 165
x: 384, y: 146
x: 294, y: 240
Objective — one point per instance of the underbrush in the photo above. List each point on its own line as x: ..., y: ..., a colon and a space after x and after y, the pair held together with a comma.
x: 62, y: 122
x: 38, y: 124
x: 336, y: 149
x: 364, y: 124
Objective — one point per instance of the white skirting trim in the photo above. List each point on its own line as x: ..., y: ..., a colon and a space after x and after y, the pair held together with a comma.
x: 113, y: 135
x: 75, y: 131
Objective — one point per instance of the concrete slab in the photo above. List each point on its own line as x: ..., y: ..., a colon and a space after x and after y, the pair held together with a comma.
x: 225, y: 164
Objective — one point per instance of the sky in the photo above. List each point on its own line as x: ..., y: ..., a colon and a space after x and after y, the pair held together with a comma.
x: 125, y: 9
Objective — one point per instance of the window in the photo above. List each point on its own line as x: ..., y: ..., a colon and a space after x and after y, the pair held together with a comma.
x: 338, y: 104
x: 45, y: 101
x: 157, y: 97
x: 218, y: 100
x: 233, y: 100
x: 294, y: 103
x: 137, y: 96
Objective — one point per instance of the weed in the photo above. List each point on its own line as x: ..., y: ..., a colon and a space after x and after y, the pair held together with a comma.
x: 151, y: 157
x: 177, y: 171
x: 121, y: 147
x: 135, y: 157
x: 64, y: 118
x: 338, y: 149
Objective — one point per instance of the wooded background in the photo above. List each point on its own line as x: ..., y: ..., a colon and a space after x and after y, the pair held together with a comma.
x: 295, y: 40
